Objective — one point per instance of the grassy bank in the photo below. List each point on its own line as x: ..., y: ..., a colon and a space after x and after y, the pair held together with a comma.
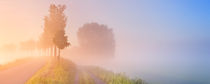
x: 60, y: 72
x: 65, y: 72
x: 84, y: 78
x: 55, y: 72
x: 110, y: 77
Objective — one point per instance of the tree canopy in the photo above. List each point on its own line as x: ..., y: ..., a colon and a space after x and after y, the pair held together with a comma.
x: 54, y: 29
x: 96, y: 38
x: 60, y: 40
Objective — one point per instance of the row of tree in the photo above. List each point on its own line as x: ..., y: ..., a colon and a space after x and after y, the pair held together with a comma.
x: 94, y: 39
x: 53, y: 39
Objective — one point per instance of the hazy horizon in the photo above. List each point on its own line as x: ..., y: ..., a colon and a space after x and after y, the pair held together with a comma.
x: 155, y: 39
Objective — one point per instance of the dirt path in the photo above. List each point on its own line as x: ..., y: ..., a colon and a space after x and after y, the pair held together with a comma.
x: 76, y: 80
x: 21, y: 73
x: 96, y: 79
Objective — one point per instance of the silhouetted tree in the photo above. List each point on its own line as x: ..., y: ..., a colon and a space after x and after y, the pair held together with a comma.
x: 61, y: 41
x: 44, y: 44
x: 54, y: 23
x: 96, y: 38
x: 29, y: 46
x: 8, y: 48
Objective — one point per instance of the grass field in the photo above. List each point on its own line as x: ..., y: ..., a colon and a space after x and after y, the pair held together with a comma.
x: 64, y: 72
x: 113, y: 78
x: 55, y: 72
x: 84, y: 78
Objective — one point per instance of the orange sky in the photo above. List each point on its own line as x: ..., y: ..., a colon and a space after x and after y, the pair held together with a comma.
x: 18, y: 22
x: 22, y: 19
x: 156, y: 33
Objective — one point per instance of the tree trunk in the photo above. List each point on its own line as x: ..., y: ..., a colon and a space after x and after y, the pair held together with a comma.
x: 41, y: 52
x: 45, y: 51
x: 51, y: 51
x: 55, y: 51
x: 59, y: 50
x: 48, y: 51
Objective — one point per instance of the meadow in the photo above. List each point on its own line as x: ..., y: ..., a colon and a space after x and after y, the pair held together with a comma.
x: 55, y: 72
x: 65, y: 72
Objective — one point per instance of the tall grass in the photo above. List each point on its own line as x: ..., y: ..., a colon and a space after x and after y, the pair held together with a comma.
x: 64, y: 72
x: 84, y: 78
x: 113, y: 78
x: 55, y: 72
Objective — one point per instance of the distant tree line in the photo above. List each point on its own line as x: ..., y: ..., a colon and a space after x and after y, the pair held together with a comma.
x: 53, y: 39
x: 94, y: 39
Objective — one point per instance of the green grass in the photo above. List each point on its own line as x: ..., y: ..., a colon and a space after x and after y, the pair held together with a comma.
x: 59, y: 72
x: 64, y: 72
x: 84, y: 78
x: 113, y: 78
x: 55, y: 72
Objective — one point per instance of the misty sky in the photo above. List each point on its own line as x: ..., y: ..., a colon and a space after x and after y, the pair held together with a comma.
x: 132, y: 20
x: 139, y: 25
x: 143, y: 28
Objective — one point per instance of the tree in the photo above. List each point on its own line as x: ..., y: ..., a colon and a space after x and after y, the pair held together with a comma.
x: 8, y: 48
x: 44, y: 44
x: 96, y: 39
x: 61, y: 41
x: 29, y: 46
x: 55, y: 22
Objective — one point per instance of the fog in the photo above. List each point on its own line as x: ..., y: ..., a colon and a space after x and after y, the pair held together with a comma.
x: 156, y: 59
x: 158, y: 62
x: 162, y: 42
x: 169, y: 62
